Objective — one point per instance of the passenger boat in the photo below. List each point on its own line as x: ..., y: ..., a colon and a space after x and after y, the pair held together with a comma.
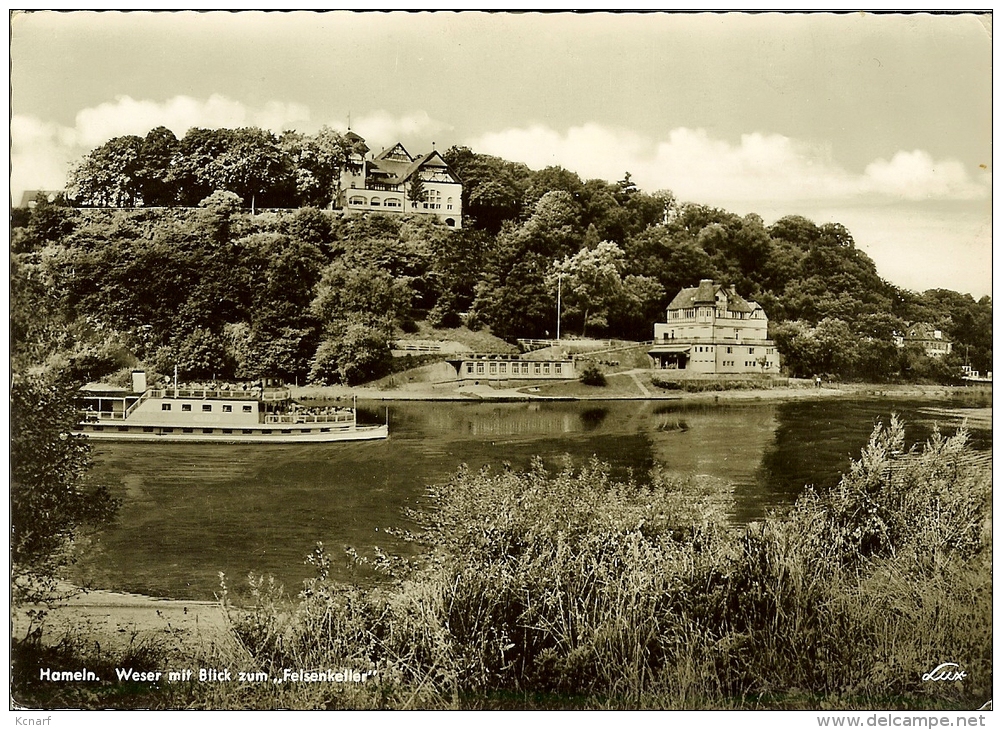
x: 230, y: 414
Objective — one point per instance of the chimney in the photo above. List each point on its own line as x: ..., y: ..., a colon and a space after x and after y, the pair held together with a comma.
x: 138, y: 381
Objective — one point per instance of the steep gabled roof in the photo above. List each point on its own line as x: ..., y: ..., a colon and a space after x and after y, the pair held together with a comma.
x: 706, y: 294
x: 398, y: 171
x: 923, y: 331
x: 396, y: 153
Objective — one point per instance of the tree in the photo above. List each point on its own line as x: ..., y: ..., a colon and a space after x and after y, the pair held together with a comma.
x: 591, y: 284
x: 51, y: 505
x: 316, y: 163
x: 156, y: 155
x: 355, y: 349
x: 346, y: 290
x: 415, y: 190
x: 108, y: 176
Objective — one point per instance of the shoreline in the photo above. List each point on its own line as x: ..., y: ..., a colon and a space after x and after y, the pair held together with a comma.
x: 116, y: 620
x: 451, y: 392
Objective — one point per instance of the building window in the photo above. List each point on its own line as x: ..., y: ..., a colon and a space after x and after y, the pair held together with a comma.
x: 165, y: 406
x: 206, y: 407
x: 494, y: 368
x: 469, y: 368
x: 374, y: 202
x: 751, y: 350
x: 356, y: 200
x: 448, y: 204
x: 730, y: 350
x: 434, y: 199
x: 537, y: 366
x: 392, y: 203
x: 227, y: 409
x: 556, y: 368
x: 186, y: 406
x: 503, y: 368
x: 525, y: 368
x: 546, y: 368
x: 480, y: 368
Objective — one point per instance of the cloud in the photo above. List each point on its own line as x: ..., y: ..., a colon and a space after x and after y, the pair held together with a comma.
x: 916, y: 176
x: 125, y: 115
x: 43, y: 152
x: 759, y: 167
x: 381, y: 127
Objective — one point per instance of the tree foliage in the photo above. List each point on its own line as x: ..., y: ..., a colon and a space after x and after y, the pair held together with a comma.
x: 273, y: 290
x: 51, y: 505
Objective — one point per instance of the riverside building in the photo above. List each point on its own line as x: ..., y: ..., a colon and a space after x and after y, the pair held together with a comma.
x: 713, y: 330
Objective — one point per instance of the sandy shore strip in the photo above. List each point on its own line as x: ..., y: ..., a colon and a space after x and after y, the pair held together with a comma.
x: 115, y: 620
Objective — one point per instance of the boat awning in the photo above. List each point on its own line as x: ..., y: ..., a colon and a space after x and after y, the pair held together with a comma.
x: 669, y: 349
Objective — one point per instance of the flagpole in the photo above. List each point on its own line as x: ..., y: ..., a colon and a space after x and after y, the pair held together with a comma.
x: 558, y: 306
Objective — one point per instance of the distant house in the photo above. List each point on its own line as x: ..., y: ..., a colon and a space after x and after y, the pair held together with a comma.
x: 713, y: 330
x: 29, y: 199
x: 926, y: 336
x: 394, y: 181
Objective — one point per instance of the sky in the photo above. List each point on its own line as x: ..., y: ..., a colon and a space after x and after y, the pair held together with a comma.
x: 881, y: 122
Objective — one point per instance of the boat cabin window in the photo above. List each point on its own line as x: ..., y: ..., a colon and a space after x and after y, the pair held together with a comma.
x: 165, y: 406
x: 186, y: 406
x: 206, y: 407
x: 227, y: 409
x: 187, y: 430
x: 248, y: 409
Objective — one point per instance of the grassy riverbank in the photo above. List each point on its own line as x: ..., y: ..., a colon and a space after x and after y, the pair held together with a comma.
x: 636, y: 385
x: 568, y: 590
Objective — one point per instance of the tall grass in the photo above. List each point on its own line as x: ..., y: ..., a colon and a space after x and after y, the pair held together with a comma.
x: 572, y: 589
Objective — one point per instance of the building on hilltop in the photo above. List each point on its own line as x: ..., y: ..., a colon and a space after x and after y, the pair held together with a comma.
x: 30, y: 198
x: 928, y: 337
x: 395, y: 182
x: 713, y: 330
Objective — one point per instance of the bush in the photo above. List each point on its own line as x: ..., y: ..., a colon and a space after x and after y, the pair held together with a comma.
x: 576, y: 590
x: 591, y: 375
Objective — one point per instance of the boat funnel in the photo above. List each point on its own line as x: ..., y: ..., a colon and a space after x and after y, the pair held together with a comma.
x: 138, y: 381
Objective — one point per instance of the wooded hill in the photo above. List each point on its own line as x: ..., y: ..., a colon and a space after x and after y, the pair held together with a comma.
x: 312, y: 294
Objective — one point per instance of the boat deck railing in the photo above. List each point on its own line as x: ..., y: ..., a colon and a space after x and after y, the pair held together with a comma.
x: 342, y: 418
x: 103, y: 415
x: 272, y: 394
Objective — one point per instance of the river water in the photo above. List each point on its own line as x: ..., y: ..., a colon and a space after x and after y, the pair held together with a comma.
x: 192, y: 511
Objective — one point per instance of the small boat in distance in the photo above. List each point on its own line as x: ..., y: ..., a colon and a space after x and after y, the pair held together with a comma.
x: 221, y: 414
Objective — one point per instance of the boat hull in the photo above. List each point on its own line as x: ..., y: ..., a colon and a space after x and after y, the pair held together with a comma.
x: 257, y: 436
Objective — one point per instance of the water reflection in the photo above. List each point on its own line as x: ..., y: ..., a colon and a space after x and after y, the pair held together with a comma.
x: 192, y: 510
